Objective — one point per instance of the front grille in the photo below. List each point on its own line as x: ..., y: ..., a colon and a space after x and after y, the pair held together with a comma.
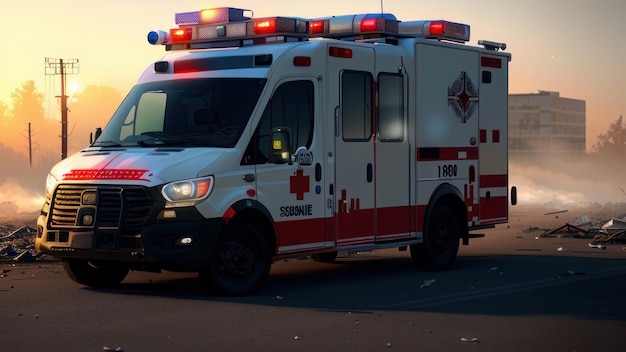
x: 115, y: 214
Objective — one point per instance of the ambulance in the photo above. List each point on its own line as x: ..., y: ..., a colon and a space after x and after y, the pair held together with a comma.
x: 258, y: 139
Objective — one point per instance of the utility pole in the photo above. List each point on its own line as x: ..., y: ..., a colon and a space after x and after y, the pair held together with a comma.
x: 30, y: 147
x: 63, y: 68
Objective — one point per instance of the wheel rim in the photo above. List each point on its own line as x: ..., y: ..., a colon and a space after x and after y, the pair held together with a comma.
x: 440, y: 241
x: 236, y: 261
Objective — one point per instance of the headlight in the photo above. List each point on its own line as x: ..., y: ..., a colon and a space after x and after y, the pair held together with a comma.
x: 188, y: 192
x: 51, y: 182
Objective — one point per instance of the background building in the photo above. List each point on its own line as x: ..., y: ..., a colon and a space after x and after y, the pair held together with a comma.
x: 545, y: 122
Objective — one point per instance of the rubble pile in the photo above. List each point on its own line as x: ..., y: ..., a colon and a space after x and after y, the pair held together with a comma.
x: 16, y: 244
x: 611, y: 231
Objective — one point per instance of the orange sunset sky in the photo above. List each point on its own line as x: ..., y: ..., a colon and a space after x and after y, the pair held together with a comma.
x: 571, y: 46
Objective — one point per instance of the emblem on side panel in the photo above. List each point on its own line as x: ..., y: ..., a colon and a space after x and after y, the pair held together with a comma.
x: 299, y: 184
x: 463, y: 97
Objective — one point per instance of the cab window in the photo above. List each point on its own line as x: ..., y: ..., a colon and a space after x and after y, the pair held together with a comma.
x: 292, y: 105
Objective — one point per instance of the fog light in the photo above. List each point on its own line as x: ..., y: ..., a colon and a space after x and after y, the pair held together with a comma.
x: 184, y: 241
x: 169, y: 214
x: 87, y: 220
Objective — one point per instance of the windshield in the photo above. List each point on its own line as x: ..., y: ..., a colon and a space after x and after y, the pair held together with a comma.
x: 190, y: 113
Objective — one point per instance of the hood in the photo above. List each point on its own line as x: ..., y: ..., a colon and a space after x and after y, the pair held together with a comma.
x: 145, y: 166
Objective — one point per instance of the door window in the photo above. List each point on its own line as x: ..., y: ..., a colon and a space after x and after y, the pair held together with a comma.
x: 292, y: 105
x: 356, y: 105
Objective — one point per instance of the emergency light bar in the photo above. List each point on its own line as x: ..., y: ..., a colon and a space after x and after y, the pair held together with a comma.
x: 354, y: 25
x: 227, y: 26
x: 443, y: 30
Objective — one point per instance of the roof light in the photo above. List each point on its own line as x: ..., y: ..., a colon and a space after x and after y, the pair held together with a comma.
x: 278, y: 25
x: 437, y: 28
x: 180, y: 34
x: 318, y: 26
x: 266, y: 26
x: 211, y: 16
x: 157, y: 37
x: 443, y: 30
x: 355, y: 25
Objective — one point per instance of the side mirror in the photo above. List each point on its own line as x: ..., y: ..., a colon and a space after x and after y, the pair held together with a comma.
x: 280, y: 145
x: 94, y: 135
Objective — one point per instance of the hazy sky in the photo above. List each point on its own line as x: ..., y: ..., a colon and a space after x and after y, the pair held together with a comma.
x: 575, y: 47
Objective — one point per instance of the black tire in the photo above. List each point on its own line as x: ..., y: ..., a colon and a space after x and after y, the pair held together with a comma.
x: 442, y: 231
x: 95, y: 273
x: 241, y: 261
x: 327, y: 257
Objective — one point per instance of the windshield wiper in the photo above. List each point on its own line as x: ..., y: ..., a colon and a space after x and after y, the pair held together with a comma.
x: 106, y: 144
x: 157, y: 139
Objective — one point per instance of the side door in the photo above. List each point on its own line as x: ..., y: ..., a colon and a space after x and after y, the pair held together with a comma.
x: 291, y: 190
x: 351, y: 102
x: 393, y: 189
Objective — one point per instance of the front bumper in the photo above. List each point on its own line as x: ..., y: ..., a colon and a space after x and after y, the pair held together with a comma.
x: 125, y: 224
x: 173, y: 246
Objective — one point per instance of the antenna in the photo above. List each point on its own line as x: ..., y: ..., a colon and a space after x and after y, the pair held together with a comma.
x: 381, y: 7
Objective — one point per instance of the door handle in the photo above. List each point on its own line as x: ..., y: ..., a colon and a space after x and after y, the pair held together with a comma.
x: 370, y: 172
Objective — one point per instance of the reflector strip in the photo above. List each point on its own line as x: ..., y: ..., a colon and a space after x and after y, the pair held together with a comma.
x: 449, y: 153
x: 493, y: 181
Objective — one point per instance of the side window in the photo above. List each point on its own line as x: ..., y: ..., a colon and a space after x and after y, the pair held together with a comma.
x: 292, y: 105
x: 356, y: 105
x: 390, y: 107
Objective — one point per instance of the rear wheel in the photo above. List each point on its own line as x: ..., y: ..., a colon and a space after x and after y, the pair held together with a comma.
x: 95, y: 273
x: 442, y: 231
x: 241, y: 261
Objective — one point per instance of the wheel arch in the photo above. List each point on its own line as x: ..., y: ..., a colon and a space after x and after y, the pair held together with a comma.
x: 253, y: 213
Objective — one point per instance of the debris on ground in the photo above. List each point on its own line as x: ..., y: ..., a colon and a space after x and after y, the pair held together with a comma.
x: 583, y: 227
x: 17, y: 245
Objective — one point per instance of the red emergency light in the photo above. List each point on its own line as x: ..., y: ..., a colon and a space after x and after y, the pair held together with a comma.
x: 363, y: 25
x: 437, y: 28
x: 318, y: 26
x: 179, y: 35
x: 267, y: 26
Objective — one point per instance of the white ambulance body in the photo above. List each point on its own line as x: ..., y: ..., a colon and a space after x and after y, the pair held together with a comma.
x: 258, y: 139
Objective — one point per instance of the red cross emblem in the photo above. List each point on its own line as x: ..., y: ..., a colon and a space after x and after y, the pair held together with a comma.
x: 463, y: 97
x: 299, y: 184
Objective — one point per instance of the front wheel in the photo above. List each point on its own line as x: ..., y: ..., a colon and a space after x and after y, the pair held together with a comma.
x: 442, y: 231
x: 241, y: 261
x: 95, y: 273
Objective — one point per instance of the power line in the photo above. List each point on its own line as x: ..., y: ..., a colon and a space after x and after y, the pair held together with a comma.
x: 62, y: 67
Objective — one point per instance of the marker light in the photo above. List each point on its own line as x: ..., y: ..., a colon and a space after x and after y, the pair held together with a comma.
x: 157, y: 37
x: 340, y: 52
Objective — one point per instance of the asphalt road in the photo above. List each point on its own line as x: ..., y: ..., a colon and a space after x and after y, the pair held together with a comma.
x: 509, y: 291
